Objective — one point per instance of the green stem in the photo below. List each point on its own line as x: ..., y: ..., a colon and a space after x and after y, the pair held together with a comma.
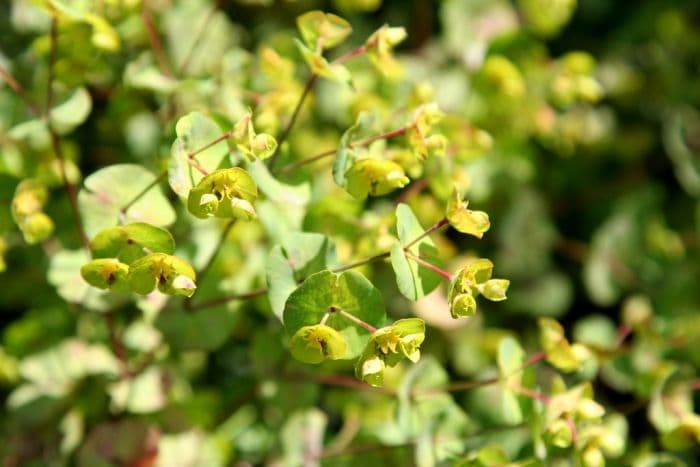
x: 441, y: 223
x: 324, y: 319
x: 264, y: 290
x: 156, y: 44
x: 295, y: 114
x: 55, y: 142
x: 140, y: 194
x: 197, y: 37
x: 228, y: 298
x: 533, y: 394
x: 355, y: 144
x: 356, y: 320
x: 18, y: 89
x: 428, y: 265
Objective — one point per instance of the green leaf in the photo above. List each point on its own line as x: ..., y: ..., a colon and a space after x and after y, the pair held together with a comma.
x: 465, y: 220
x: 206, y: 329
x: 127, y: 243
x: 512, y: 413
x: 225, y: 193
x: 172, y: 275
x: 106, y: 273
x: 64, y: 274
x: 296, y: 258
x: 345, y: 157
x: 324, y: 30
x: 108, y: 190
x: 511, y: 357
x: 71, y: 113
x: 194, y: 131
x: 414, y: 281
x: 327, y: 292
x: 314, y: 344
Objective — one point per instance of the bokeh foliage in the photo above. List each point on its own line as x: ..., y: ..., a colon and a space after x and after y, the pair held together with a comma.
x: 574, y: 124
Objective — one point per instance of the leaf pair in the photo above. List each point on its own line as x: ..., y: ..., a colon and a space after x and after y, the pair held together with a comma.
x: 138, y: 257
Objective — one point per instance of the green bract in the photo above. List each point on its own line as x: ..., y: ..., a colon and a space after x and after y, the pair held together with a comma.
x: 465, y: 220
x: 314, y: 344
x: 327, y: 293
x: 421, y: 142
x: 320, y: 66
x: 170, y: 274
x: 472, y: 281
x: 374, y: 177
x: 380, y: 46
x: 388, y: 346
x: 227, y: 193
x: 251, y: 144
x: 106, y: 273
x: 322, y: 30
x: 559, y: 352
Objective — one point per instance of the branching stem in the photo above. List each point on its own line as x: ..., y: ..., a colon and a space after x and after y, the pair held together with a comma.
x: 356, y: 144
x: 55, y: 142
x: 140, y: 194
x: 428, y: 265
x: 357, y: 320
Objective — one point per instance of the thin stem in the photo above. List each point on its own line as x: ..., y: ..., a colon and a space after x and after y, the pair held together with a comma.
x: 56, y: 144
x: 222, y: 239
x: 221, y: 138
x: 355, y: 144
x: 441, y: 223
x: 324, y: 319
x: 18, y: 89
x: 356, y: 320
x: 353, y: 53
x: 285, y: 133
x: 361, y: 262
x: 533, y: 394
x: 307, y: 89
x: 264, y: 290
x: 155, y: 182
x: 117, y: 344
x: 428, y: 265
x: 228, y: 298
x: 195, y: 41
x: 156, y: 44
x: 194, y: 163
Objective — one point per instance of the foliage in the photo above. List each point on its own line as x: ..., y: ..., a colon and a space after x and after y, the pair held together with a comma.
x: 305, y: 233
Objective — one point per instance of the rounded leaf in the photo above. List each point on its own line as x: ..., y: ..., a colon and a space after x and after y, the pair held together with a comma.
x: 327, y: 292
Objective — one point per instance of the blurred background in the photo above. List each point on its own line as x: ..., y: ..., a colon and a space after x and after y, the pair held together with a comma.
x: 574, y: 124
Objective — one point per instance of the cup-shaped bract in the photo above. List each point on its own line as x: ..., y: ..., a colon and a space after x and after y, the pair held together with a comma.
x: 465, y: 220
x: 314, y: 344
x: 374, y: 177
x: 172, y: 275
x: 388, y: 346
x: 225, y: 193
x: 322, y: 30
x: 106, y: 273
